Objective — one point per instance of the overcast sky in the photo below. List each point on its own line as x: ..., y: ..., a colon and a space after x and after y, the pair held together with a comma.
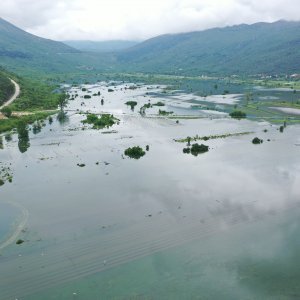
x: 138, y: 19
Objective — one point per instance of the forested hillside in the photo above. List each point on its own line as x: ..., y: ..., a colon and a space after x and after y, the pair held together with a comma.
x: 6, y: 87
x: 243, y: 49
x: 272, y: 48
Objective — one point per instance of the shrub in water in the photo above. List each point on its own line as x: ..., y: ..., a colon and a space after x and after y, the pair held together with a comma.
x: 135, y: 152
x: 257, y: 141
x: 237, y: 114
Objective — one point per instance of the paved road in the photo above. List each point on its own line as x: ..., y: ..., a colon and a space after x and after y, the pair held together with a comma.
x: 14, y: 96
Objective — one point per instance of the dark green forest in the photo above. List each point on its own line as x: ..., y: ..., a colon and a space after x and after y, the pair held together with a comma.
x: 6, y: 86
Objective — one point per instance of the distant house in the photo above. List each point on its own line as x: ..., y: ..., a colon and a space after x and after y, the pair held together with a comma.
x: 295, y: 76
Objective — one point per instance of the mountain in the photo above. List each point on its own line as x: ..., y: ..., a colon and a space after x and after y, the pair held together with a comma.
x: 242, y: 49
x: 101, y: 46
x: 271, y: 48
x: 12, y: 37
x: 23, y: 52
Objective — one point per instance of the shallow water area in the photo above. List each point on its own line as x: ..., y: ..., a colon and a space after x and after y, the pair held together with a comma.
x: 165, y: 226
x: 9, y: 215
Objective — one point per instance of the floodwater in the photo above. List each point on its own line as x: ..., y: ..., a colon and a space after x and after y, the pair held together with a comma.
x: 222, y: 225
x: 9, y: 214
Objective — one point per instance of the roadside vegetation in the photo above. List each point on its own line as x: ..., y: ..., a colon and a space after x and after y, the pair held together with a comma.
x: 36, y: 96
x: 7, y: 125
x: 6, y: 86
x: 36, y: 101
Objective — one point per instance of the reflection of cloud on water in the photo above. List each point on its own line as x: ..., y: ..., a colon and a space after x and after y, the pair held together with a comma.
x: 219, y: 99
x: 287, y: 110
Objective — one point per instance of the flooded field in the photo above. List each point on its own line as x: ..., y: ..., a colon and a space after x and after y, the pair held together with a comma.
x: 98, y: 224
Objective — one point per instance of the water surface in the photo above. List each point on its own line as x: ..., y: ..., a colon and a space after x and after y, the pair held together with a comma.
x: 222, y: 225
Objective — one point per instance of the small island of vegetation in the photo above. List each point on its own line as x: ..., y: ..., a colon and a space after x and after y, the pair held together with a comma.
x: 105, y: 121
x: 257, y: 141
x: 165, y: 113
x: 238, y: 114
x: 132, y: 104
x: 196, y: 149
x: 159, y: 103
x: 135, y: 152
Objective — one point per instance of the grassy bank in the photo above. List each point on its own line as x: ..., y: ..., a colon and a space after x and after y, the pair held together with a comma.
x: 11, y: 123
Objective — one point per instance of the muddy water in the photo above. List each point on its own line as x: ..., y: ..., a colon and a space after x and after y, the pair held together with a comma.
x: 222, y: 225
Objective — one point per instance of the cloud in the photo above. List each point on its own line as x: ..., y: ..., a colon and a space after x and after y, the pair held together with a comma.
x: 138, y: 19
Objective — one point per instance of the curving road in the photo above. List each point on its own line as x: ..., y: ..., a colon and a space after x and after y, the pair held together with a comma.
x: 14, y: 96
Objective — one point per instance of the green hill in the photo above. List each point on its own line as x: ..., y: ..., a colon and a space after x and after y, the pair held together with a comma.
x: 24, y: 53
x: 6, y: 87
x: 243, y: 49
x: 12, y: 38
x: 272, y: 48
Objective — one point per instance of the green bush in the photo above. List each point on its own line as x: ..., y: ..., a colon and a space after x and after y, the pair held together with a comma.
x: 6, y: 111
x: 186, y: 150
x: 159, y: 104
x: 106, y: 120
x: 164, y: 113
x: 237, y: 114
x: 11, y: 123
x: 135, y: 152
x: 132, y: 104
x: 256, y: 141
x: 196, y: 149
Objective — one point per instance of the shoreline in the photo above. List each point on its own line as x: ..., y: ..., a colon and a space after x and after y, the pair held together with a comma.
x: 18, y: 229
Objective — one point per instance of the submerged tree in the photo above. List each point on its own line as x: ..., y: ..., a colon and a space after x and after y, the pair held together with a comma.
x: 132, y: 104
x: 237, y: 114
x: 62, y: 117
x: 196, y: 149
x: 105, y: 120
x: 62, y: 100
x: 135, y: 152
x: 23, y: 136
x: 257, y: 141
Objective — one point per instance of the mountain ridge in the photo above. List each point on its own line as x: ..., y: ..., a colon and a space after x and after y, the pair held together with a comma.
x: 269, y: 48
x: 243, y: 45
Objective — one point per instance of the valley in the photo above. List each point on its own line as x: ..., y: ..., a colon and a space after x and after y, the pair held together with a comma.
x: 162, y: 169
x: 80, y: 235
